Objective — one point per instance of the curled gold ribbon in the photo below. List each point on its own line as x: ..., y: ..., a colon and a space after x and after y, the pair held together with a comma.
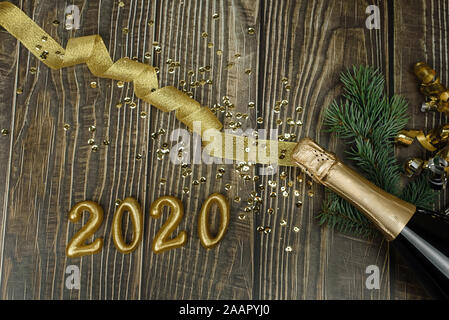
x: 92, y: 51
x: 407, y: 137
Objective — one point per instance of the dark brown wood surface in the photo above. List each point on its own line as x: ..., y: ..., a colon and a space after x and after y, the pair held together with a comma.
x: 45, y: 170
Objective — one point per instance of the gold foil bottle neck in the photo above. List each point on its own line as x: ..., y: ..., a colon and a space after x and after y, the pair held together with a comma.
x: 389, y: 213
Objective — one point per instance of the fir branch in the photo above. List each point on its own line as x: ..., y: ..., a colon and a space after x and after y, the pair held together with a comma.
x: 369, y: 122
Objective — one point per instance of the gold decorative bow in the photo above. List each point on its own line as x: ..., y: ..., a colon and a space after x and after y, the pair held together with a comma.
x: 92, y: 51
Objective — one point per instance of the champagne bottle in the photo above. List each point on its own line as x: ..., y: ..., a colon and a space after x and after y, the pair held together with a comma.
x: 421, y: 236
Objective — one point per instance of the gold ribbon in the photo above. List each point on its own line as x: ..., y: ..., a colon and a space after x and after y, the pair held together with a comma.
x: 92, y: 51
x: 407, y: 136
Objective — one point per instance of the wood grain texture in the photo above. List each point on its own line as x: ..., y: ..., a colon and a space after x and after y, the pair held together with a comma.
x: 45, y: 170
x: 420, y: 34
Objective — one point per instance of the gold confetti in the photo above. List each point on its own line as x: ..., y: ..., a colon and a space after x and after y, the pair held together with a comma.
x: 118, y: 105
x: 251, y: 31
x: 118, y: 202
x: 147, y: 55
x: 310, y: 193
x: 121, y: 4
x: 283, y: 222
x: 150, y: 22
x: 44, y: 38
x: 91, y: 142
x: 259, y: 120
x: 125, y: 30
x: 132, y: 105
x: 299, y: 204
x: 248, y: 71
x: 242, y: 216
x: 94, y: 148
x: 92, y: 128
x: 138, y: 156
x: 66, y: 127
x: 19, y: 91
x: 210, y: 45
x: 288, y: 249
x: 33, y: 70
x: 295, y: 229
x: 270, y: 211
x: 228, y: 187
x: 5, y: 132
x: 106, y: 142
x: 219, y: 52
x: 215, y: 16
x: 56, y: 22
x: 93, y: 84
x: 237, y: 199
x: 162, y: 181
x: 204, y: 34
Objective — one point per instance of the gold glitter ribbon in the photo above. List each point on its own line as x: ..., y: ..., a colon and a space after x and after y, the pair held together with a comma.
x: 92, y: 51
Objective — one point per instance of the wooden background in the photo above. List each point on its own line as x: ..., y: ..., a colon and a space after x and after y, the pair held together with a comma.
x: 45, y: 170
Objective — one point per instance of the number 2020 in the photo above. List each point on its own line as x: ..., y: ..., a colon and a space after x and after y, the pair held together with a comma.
x: 78, y: 247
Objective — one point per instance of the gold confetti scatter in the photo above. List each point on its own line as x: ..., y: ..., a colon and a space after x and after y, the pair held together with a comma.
x: 125, y: 30
x: 44, y: 38
x: 93, y: 84
x: 138, y: 156
x: 270, y: 211
x: 106, y: 142
x: 210, y: 45
x: 33, y: 70
x: 279, y: 122
x: 284, y: 80
x: 91, y: 141
x: 195, y: 182
x: 283, y: 222
x: 215, y: 16
x: 288, y: 249
x: 94, y: 148
x: 260, y: 229
x: 203, y: 179
x: 204, y: 34
x: 118, y: 105
x: 171, y: 70
x: 121, y: 4
x: 259, y: 120
x: 118, y: 202
x: 147, y: 55
x: 92, y: 128
x: 228, y: 187
x: 299, y: 204
x: 296, y: 229
x: 288, y: 87
x: 242, y: 216
x: 297, y: 193
x: 237, y: 199
x: 120, y: 84
x: 162, y: 181
x: 251, y: 31
x: 185, y: 190
x: 143, y: 114
x: 150, y: 23
x: 56, y: 22
x: 267, y: 230
x: 251, y: 105
x: 132, y: 105
x: 229, y: 65
x: 248, y: 71
x: 19, y: 91
x: 298, y: 109
x: 219, y: 52
x: 237, y: 55
x: 310, y: 193
x: 5, y: 132
x: 66, y: 127
x: 299, y: 179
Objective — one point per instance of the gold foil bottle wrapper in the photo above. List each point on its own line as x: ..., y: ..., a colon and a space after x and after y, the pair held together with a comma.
x: 389, y: 213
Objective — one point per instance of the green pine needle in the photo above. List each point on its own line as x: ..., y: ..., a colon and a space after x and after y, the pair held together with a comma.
x: 369, y: 122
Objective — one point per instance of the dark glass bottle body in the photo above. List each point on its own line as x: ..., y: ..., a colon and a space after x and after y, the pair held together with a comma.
x: 424, y: 244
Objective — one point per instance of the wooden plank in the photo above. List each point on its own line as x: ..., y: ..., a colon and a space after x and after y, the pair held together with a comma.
x: 310, y: 43
x: 52, y: 169
x: 192, y: 272
x: 420, y: 34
